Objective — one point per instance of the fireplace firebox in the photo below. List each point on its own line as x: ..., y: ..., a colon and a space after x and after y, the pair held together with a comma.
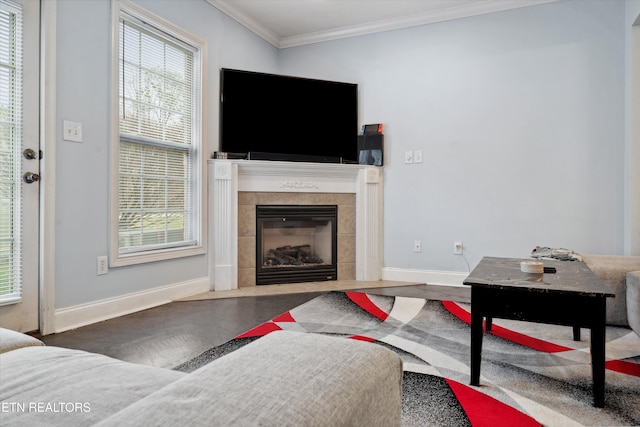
x: 296, y: 243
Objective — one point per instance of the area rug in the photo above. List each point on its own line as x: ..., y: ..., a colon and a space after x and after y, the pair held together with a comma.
x: 532, y: 374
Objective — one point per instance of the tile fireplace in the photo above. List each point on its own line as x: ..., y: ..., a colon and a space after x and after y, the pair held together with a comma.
x: 237, y: 188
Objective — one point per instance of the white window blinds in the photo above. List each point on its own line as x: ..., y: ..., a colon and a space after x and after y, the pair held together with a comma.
x: 159, y: 87
x: 10, y: 145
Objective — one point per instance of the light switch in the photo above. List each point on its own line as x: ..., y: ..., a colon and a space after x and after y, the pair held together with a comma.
x: 408, y: 156
x: 72, y: 131
x: 417, y: 156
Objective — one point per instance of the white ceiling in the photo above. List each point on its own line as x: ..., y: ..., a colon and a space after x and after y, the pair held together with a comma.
x: 287, y: 23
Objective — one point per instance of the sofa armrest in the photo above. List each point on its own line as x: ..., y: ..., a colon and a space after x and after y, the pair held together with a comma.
x: 12, y: 340
x: 612, y: 270
x: 53, y: 386
x: 283, y: 379
x: 633, y: 300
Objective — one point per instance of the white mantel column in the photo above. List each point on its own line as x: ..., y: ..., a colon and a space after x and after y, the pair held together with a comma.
x: 369, y: 207
x: 223, y: 271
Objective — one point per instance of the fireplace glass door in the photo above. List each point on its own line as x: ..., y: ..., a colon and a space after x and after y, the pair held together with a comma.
x: 296, y: 243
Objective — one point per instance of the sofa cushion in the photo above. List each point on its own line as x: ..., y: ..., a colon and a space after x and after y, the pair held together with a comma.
x: 633, y: 300
x: 612, y: 270
x: 57, y: 386
x: 283, y: 379
x: 11, y: 340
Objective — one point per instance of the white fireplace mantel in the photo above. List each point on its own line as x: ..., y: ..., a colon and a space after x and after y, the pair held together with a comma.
x: 228, y: 177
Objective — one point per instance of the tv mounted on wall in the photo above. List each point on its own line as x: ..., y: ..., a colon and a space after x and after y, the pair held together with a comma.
x: 274, y: 117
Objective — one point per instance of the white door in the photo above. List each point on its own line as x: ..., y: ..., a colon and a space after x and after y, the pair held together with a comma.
x: 19, y: 164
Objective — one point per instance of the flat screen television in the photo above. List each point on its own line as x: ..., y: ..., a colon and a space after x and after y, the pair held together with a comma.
x: 274, y: 117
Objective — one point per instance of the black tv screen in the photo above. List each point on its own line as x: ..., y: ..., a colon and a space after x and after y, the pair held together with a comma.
x: 278, y: 117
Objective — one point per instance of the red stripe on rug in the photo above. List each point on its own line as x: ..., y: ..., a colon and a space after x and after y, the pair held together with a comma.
x: 483, y: 410
x: 362, y: 338
x: 457, y: 311
x: 623, y: 367
x: 527, y: 341
x: 261, y: 330
x: 507, y: 334
x: 284, y: 317
x: 362, y: 300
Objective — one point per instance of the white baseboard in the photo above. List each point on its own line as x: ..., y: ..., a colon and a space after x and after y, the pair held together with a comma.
x: 97, y: 311
x: 430, y: 277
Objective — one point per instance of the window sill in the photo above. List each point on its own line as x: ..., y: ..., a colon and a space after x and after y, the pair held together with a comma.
x: 120, y: 260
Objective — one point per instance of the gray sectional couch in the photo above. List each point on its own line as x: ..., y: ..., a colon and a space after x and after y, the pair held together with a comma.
x: 622, y: 275
x: 282, y: 379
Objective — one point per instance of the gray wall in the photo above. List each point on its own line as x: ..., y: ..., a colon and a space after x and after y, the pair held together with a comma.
x: 83, y: 95
x: 520, y: 118
x: 632, y: 137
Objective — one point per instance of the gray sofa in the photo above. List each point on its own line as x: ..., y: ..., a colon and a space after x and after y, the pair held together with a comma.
x: 622, y: 275
x: 282, y: 379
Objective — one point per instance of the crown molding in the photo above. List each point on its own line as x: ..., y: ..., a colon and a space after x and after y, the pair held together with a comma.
x: 246, y: 20
x: 480, y: 8
x: 489, y: 6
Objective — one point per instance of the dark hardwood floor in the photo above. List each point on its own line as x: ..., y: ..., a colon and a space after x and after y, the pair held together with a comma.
x: 171, y: 334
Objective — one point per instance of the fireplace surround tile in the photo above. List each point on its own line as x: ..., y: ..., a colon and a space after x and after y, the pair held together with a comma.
x: 246, y: 252
x: 346, y: 269
x: 246, y: 277
x: 246, y: 220
x: 347, y: 220
x: 346, y: 250
x: 248, y: 198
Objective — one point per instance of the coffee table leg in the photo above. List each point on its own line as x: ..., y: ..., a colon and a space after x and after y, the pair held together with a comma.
x: 576, y: 333
x: 597, y: 364
x: 476, y: 346
x: 488, y: 323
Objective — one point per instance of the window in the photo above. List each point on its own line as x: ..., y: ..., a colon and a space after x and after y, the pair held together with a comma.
x: 158, y: 174
x: 10, y: 144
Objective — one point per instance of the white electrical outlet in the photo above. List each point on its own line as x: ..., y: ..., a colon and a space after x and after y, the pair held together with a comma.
x: 103, y: 265
x: 417, y: 246
x: 408, y: 156
x: 457, y: 248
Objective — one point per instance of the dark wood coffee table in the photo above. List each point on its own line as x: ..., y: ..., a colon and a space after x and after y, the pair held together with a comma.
x: 571, y: 296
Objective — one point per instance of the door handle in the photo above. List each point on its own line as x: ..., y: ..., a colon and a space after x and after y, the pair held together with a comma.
x: 30, y: 177
x: 29, y: 154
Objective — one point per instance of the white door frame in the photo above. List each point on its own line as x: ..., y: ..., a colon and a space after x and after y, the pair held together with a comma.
x: 23, y: 312
x: 48, y: 132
